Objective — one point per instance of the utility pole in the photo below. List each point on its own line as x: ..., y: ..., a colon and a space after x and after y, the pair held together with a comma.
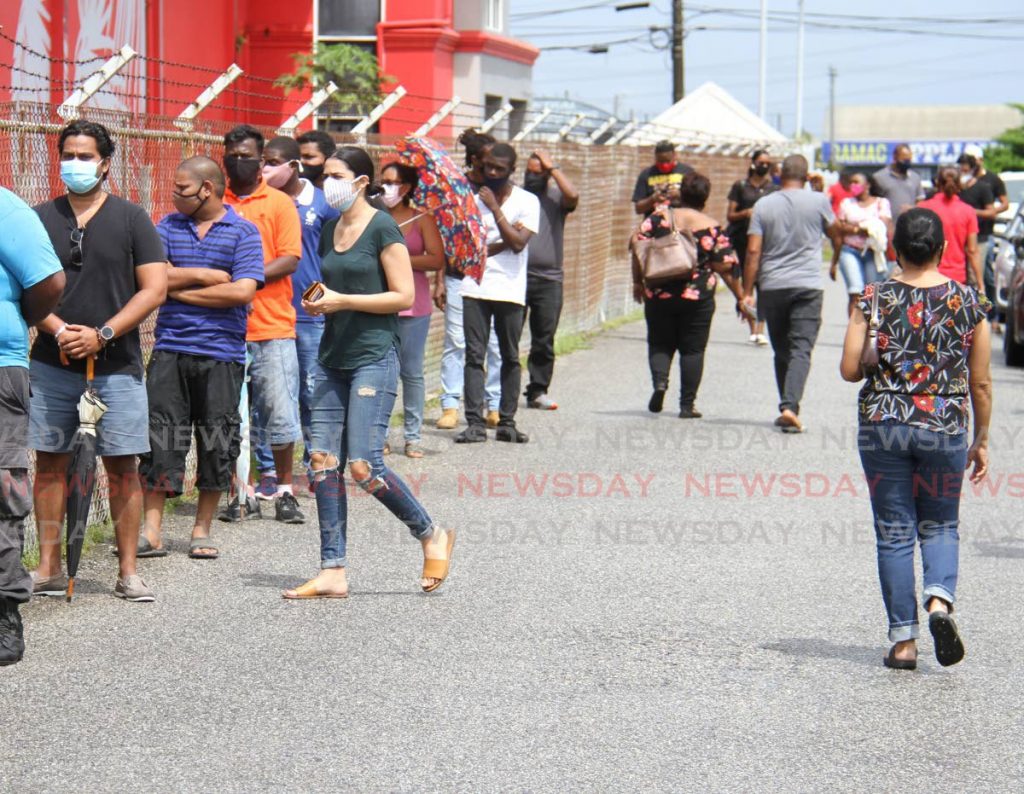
x: 800, y: 73
x: 678, y: 64
x: 832, y: 73
x: 763, y: 75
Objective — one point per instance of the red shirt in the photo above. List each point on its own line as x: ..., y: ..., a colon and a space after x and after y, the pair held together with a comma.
x: 959, y: 220
x: 836, y: 194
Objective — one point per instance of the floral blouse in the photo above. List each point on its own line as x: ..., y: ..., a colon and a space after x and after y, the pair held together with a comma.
x: 924, y: 339
x: 713, y: 247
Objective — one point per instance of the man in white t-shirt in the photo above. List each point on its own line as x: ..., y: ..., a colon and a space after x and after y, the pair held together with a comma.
x: 511, y: 216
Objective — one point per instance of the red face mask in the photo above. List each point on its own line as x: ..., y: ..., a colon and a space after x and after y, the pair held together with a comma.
x: 665, y: 168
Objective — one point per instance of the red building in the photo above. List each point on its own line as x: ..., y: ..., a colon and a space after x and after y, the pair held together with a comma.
x: 434, y: 48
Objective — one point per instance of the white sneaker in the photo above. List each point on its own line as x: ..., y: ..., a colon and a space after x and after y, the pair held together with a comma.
x: 753, y: 339
x: 761, y: 340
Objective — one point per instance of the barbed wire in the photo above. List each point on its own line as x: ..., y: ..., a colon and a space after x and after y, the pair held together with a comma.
x: 36, y: 53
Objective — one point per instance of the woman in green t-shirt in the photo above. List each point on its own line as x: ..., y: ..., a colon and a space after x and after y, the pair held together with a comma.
x: 367, y: 280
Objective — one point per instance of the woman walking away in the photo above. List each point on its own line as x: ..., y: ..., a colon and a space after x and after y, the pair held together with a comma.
x: 426, y: 251
x: 367, y: 280
x: 742, y: 197
x: 961, y: 261
x: 933, y: 351
x: 853, y: 256
x: 679, y: 313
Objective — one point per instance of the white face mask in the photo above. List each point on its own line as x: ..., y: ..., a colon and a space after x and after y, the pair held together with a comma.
x: 392, y: 195
x: 966, y: 178
x: 341, y: 193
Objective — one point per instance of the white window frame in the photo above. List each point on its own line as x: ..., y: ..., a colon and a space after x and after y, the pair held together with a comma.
x: 494, y: 15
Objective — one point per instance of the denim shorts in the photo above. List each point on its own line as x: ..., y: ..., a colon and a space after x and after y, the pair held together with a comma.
x: 53, y: 412
x: 274, y: 391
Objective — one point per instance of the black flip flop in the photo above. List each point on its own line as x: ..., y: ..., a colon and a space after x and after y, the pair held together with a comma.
x: 949, y: 648
x: 145, y: 549
x: 203, y: 543
x: 898, y: 664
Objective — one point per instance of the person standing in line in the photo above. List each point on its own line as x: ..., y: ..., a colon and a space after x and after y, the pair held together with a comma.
x: 448, y: 298
x: 679, y: 313
x: 981, y: 186
x: 658, y: 184
x: 784, y: 259
x: 933, y: 350
x: 116, y: 275
x: 426, y: 253
x: 544, y: 275
x: 274, y: 363
x: 367, y: 278
x: 840, y: 191
x: 281, y: 171
x: 961, y: 259
x: 31, y: 283
x: 511, y: 217
x: 194, y: 377
x: 743, y: 195
x: 851, y: 253
x: 315, y: 147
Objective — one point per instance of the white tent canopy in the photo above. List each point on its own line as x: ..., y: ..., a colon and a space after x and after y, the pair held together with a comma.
x: 709, y: 116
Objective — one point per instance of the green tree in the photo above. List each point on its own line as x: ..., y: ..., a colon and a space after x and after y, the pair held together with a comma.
x: 1008, y: 153
x: 353, y: 69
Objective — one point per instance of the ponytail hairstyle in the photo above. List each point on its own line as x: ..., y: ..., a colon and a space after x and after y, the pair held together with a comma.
x: 947, y: 181
x: 919, y: 238
x: 475, y: 142
x: 360, y: 164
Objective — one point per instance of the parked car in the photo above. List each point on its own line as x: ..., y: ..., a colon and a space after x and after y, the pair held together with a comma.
x: 1002, y: 254
x: 1014, y: 181
x: 1013, y: 333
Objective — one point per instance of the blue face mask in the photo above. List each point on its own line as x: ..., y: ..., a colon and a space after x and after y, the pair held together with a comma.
x: 80, y: 176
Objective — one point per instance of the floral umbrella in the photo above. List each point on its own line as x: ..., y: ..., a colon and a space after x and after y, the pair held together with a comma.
x: 444, y: 190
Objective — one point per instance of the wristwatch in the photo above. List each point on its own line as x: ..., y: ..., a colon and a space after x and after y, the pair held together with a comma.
x: 105, y: 334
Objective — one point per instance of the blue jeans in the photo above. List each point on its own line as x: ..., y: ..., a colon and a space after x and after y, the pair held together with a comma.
x: 351, y: 411
x: 453, y: 356
x: 915, y: 477
x: 412, y: 334
x: 274, y: 392
x: 858, y: 268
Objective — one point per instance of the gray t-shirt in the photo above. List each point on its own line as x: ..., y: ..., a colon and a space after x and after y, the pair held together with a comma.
x: 791, y: 223
x: 545, y: 247
x: 902, y: 191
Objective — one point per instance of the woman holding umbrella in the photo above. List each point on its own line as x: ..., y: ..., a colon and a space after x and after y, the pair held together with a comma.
x: 367, y: 282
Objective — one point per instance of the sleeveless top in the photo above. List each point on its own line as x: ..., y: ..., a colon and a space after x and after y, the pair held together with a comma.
x: 421, y: 303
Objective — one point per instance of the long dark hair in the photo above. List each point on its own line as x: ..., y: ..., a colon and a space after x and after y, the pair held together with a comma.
x: 407, y: 175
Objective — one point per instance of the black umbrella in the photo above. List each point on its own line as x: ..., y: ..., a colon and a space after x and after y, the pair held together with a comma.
x: 82, y: 473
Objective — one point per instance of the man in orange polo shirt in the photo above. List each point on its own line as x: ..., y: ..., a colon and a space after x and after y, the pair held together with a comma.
x: 274, y: 367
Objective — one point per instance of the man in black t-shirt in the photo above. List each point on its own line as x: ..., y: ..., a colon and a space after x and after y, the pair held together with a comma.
x: 116, y: 277
x: 986, y: 192
x: 659, y: 183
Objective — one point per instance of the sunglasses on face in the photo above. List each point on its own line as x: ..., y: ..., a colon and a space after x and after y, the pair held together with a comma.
x: 77, y: 235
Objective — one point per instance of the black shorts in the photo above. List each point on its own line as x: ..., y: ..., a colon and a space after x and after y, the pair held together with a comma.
x: 191, y: 395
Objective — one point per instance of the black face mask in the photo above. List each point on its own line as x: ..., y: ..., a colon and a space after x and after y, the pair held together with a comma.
x: 311, y: 172
x: 535, y: 183
x: 902, y: 166
x: 243, y: 170
x: 195, y: 195
x: 497, y: 186
x: 762, y: 169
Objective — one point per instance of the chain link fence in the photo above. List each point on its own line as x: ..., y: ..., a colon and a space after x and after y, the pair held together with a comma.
x: 149, y: 148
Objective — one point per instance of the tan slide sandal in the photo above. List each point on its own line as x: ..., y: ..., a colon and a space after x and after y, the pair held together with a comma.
x: 438, y: 569
x: 308, y: 591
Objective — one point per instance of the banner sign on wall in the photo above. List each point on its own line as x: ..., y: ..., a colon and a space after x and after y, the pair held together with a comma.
x: 880, y: 152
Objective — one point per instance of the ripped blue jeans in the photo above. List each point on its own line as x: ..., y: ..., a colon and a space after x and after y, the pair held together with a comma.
x: 349, y: 422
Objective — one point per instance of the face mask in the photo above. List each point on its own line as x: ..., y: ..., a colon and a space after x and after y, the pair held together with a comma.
x: 966, y: 178
x: 180, y: 198
x: 856, y: 190
x: 497, y: 186
x: 535, y: 183
x: 665, y: 168
x: 242, y: 170
x: 80, y: 176
x: 762, y: 169
x: 392, y: 196
x: 902, y: 166
x: 277, y: 175
x: 311, y: 172
x: 341, y: 193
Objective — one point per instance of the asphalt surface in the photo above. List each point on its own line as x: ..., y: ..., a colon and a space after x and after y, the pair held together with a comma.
x: 636, y: 621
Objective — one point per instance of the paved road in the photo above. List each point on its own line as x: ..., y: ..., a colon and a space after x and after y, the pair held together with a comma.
x: 633, y: 621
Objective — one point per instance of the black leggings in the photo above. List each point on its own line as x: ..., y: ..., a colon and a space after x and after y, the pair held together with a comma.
x: 684, y: 325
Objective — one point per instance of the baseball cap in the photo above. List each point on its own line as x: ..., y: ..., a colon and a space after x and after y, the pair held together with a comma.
x: 972, y: 150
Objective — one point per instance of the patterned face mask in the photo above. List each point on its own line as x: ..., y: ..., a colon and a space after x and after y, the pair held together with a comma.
x: 341, y: 193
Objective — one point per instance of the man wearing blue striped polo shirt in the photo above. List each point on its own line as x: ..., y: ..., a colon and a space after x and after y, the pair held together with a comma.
x: 194, y: 378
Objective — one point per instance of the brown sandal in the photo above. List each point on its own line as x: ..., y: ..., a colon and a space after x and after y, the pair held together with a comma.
x: 308, y: 591
x: 438, y: 569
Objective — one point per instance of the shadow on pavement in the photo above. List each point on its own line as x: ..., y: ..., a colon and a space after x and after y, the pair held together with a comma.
x: 814, y: 648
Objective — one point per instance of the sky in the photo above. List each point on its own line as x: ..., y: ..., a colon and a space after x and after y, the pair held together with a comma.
x: 957, y: 53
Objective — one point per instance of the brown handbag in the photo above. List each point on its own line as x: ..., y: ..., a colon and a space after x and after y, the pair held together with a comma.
x: 671, y: 257
x: 869, y: 353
